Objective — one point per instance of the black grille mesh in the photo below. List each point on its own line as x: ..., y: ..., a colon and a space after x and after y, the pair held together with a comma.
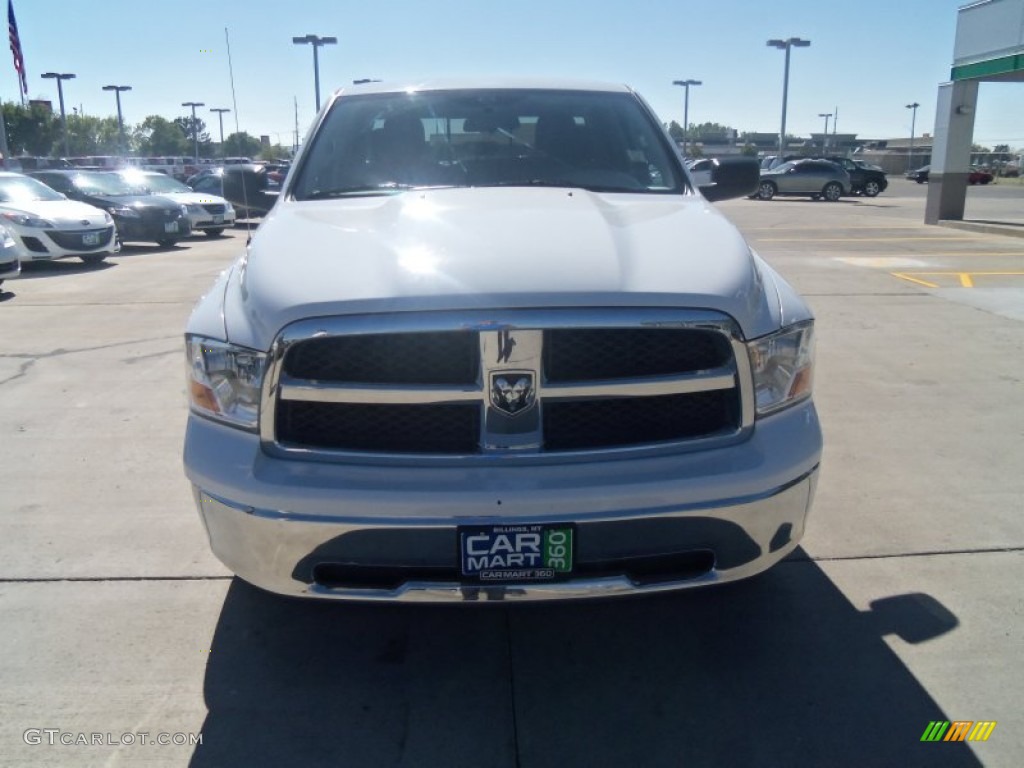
x: 623, y: 421
x: 381, y: 428
x: 411, y: 358
x: 453, y: 358
x: 73, y: 241
x: 581, y: 354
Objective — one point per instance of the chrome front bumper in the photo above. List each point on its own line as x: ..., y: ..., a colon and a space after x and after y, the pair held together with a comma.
x: 267, y: 548
x: 274, y: 521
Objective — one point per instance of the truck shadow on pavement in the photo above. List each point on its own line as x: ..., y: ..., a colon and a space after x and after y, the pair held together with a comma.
x: 781, y: 670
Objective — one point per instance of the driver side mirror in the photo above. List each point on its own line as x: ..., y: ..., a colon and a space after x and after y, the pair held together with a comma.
x: 732, y: 177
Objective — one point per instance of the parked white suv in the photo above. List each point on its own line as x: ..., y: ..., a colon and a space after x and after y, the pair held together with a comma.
x: 490, y: 344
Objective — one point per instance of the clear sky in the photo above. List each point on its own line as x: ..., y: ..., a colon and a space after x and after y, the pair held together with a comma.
x: 869, y: 58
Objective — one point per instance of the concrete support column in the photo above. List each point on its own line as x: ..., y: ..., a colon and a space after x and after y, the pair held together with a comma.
x: 951, y: 151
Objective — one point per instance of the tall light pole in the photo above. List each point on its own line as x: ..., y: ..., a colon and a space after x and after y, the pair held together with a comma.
x: 220, y: 114
x: 60, y: 77
x: 786, y: 45
x: 195, y: 127
x: 117, y: 89
x: 824, y: 137
x: 913, y: 119
x: 686, y: 110
x: 316, y: 41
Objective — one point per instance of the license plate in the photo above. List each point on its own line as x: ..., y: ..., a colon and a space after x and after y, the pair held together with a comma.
x: 218, y: 219
x: 171, y: 226
x: 506, y: 553
x: 91, y: 238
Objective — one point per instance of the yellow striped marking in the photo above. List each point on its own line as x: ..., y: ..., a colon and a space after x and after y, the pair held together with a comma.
x: 865, y: 239
x: 966, y: 278
x: 903, y: 276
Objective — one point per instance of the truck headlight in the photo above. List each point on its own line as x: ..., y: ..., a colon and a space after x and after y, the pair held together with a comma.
x: 224, y: 380
x: 783, y: 367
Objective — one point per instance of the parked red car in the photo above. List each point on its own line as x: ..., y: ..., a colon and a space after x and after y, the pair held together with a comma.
x: 975, y: 177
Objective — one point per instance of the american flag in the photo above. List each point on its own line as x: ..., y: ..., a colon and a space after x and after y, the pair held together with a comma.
x: 19, y: 59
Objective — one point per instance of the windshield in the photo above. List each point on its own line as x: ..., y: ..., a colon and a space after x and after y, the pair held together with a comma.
x: 25, y: 190
x: 154, y: 183
x: 103, y: 184
x: 383, y: 143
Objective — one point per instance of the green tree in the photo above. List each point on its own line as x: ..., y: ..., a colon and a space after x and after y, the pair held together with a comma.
x: 31, y: 130
x: 275, y: 152
x: 206, y: 148
x: 241, y: 145
x: 675, y: 130
x: 159, y: 136
x: 88, y: 135
x: 711, y: 133
x: 749, y: 150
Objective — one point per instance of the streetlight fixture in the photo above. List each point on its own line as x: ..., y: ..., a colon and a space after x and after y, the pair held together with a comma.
x: 316, y: 41
x: 786, y: 45
x: 686, y: 110
x: 117, y: 89
x: 195, y: 127
x: 60, y: 77
x: 824, y: 137
x: 220, y: 115
x: 913, y: 119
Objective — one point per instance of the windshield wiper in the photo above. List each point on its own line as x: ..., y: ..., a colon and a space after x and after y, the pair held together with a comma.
x: 560, y: 183
x: 381, y: 189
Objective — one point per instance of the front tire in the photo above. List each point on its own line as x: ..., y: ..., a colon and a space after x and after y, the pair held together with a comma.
x: 166, y: 242
x: 832, y: 191
x: 93, y: 258
x: 213, y: 232
x: 766, y: 191
x: 872, y: 188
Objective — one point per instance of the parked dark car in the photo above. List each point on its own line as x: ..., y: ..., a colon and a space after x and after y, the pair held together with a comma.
x: 919, y: 175
x: 247, y: 187
x: 975, y: 176
x: 868, y: 180
x: 137, y: 216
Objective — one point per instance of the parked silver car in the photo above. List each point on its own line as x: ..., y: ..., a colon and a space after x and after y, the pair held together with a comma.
x: 816, y: 178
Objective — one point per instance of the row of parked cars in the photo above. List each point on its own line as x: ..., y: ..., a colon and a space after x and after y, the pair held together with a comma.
x: 824, y: 178
x: 55, y: 214
x: 827, y: 178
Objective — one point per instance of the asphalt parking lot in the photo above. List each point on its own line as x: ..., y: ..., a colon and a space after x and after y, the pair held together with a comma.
x: 902, y: 607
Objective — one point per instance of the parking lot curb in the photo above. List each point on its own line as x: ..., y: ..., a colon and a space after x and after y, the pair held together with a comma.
x: 1008, y: 229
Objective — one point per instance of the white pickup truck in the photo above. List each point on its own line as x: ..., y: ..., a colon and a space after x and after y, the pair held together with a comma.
x: 491, y: 343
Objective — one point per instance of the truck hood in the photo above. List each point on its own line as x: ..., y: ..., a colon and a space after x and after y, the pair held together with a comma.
x: 490, y: 248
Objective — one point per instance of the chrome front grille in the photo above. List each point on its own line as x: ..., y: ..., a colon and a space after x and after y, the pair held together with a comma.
x: 516, y: 385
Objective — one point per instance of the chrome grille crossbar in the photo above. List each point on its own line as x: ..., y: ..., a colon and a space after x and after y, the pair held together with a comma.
x: 375, y: 394
x: 379, y: 394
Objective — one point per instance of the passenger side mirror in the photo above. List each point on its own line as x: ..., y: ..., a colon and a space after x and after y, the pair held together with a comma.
x: 732, y: 177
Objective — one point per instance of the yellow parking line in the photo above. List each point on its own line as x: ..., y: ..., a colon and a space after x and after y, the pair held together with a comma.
x: 903, y: 276
x: 865, y: 239
x: 829, y: 228
x: 966, y: 278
